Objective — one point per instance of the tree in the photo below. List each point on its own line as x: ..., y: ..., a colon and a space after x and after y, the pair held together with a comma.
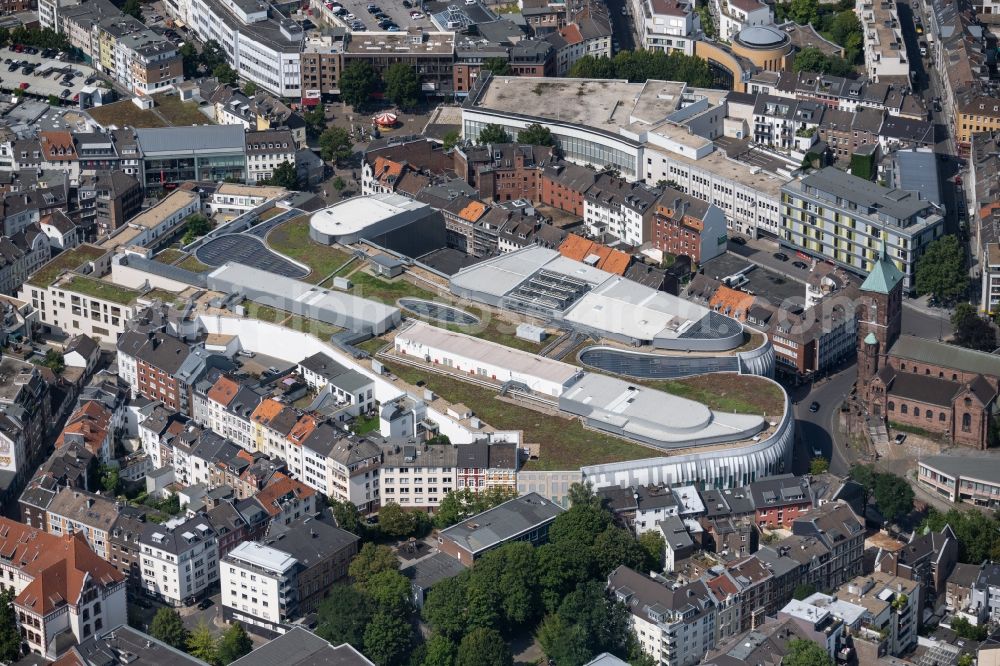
x: 536, y: 135
x: 604, y: 623
x: 345, y: 513
x: 249, y: 88
x: 335, y: 144
x: 4, y: 36
x: 393, y: 520
x: 498, y: 66
x: 803, y: 590
x: 562, y: 642
x: 202, y: 645
x: 440, y: 652
x: 483, y: 647
x: 864, y: 476
x: 444, y: 608
x: 226, y: 74
x: 343, y: 616
x: 561, y: 567
x: 370, y: 561
x: 893, y: 495
x: 402, y: 86
x: 580, y: 525
x: 941, y: 270
x: 132, y: 8
x: 10, y: 637
x: 339, y: 184
x: 493, y: 134
x: 285, y: 175
x: 966, y: 660
x: 190, y: 60
x: 655, y: 546
x: 805, y: 11
x: 168, y: 627
x: 234, y: 644
x: 197, y: 226
x: 978, y: 535
x: 965, y: 629
x: 357, y: 83
x: 387, y: 638
x: 504, y: 585
x: 212, y: 55
x: 582, y: 494
x: 806, y: 653
x: 843, y: 26
x: 315, y: 120
x: 614, y: 547
x: 53, y: 100
x: 458, y: 505
x: 971, y: 330
x: 451, y: 139
x: 110, y: 479
x: 819, y: 465
x: 54, y: 361
x: 390, y: 591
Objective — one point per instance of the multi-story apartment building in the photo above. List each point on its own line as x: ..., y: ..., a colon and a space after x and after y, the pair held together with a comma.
x: 179, y: 559
x: 349, y: 388
x: 125, y: 555
x: 615, y: 206
x: 321, y: 65
x: 148, y: 63
x: 735, y: 15
x: 342, y: 466
x: 153, y: 224
x: 430, y: 53
x: 675, y: 626
x: 21, y: 255
x: 74, y: 511
x: 841, y: 532
x: 226, y: 408
x: 563, y: 184
x: 885, y: 52
x: 107, y: 200
x: 683, y: 225
x: 891, y: 606
x: 666, y: 25
x: 90, y: 425
x: 832, y: 215
x: 24, y: 420
x: 158, y: 356
x: 267, y: 585
x: 503, y: 171
x: 64, y: 592
x: 266, y: 151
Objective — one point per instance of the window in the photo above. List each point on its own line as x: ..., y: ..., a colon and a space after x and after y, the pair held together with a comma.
x: 902, y: 409
x: 916, y: 411
x: 929, y: 414
x: 966, y: 422
x: 891, y: 406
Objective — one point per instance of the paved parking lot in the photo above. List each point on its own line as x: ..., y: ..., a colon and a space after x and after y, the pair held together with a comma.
x: 47, y: 78
x: 395, y: 10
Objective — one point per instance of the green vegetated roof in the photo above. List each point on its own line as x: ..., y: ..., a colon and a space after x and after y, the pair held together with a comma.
x: 88, y: 286
x: 65, y: 261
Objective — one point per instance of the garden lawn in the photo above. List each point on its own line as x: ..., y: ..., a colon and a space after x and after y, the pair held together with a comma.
x: 565, y: 443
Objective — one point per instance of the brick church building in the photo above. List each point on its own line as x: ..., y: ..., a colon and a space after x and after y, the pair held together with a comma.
x: 946, y: 390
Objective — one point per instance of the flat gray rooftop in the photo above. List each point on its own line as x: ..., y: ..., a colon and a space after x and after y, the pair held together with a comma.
x: 503, y: 522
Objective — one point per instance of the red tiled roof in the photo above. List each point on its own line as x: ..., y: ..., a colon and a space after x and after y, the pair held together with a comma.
x: 223, y: 391
x: 610, y: 260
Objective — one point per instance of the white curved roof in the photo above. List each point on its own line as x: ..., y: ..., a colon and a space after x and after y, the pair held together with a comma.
x: 354, y: 215
x: 761, y: 35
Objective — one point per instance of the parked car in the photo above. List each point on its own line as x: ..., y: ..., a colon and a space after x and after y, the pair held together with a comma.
x: 65, y: 93
x: 205, y: 603
x: 25, y: 85
x: 801, y: 265
x: 780, y: 256
x: 814, y: 407
x: 739, y: 240
x: 900, y: 438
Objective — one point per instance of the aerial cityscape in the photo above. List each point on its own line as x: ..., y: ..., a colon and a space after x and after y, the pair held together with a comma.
x: 492, y: 333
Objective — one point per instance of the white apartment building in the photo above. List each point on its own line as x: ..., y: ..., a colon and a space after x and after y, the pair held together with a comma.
x: 151, y: 224
x: 990, y: 283
x: 666, y: 25
x: 227, y: 408
x: 231, y: 200
x: 179, y: 559
x: 734, y: 15
x: 885, y: 51
x: 76, y: 303
x: 261, y: 48
x: 749, y: 197
x: 340, y: 465
x: 266, y: 151
x: 674, y: 626
x: 259, y: 586
x: 615, y: 206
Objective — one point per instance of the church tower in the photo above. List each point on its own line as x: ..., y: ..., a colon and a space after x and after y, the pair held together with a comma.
x: 879, y: 317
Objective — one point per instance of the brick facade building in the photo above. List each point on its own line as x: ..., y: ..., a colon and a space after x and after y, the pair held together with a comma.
x: 943, y: 389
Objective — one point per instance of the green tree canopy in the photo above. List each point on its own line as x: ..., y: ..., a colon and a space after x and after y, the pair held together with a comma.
x: 395, y: 521
x: 168, y: 627
x: 803, y: 590
x: 343, y: 615
x: 110, y: 479
x: 335, y: 144
x: 440, y: 652
x: 971, y: 330
x: 614, y: 547
x: 457, y: 505
x: 653, y: 543
x: 234, y: 644
x: 451, y: 139
x: 806, y: 653
x: 226, y: 74
x: 483, y: 647
x: 444, y: 609
x: 357, y: 83
x: 201, y: 644
x: 941, y: 270
x: 561, y: 567
x: 390, y: 591
x: 978, y: 535
x: 371, y: 560
x: 805, y: 12
x: 811, y: 59
x: 819, y: 465
x: 498, y: 66
x: 212, y: 55
x: 249, y: 88
x: 285, y: 175
x: 562, y: 642
x: 493, y: 134
x: 580, y: 525
x: 197, y: 226
x: 402, y: 86
x: 315, y: 120
x: 536, y: 135
x: 345, y: 513
x: 640, y: 65
x: 132, y: 8
x: 10, y: 637
x: 190, y: 60
x: 388, y: 638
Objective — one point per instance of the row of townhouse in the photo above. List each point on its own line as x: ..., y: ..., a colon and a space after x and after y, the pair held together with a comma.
x: 140, y: 59
x: 679, y: 621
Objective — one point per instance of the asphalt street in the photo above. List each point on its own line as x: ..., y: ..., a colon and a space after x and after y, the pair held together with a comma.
x: 816, y: 430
